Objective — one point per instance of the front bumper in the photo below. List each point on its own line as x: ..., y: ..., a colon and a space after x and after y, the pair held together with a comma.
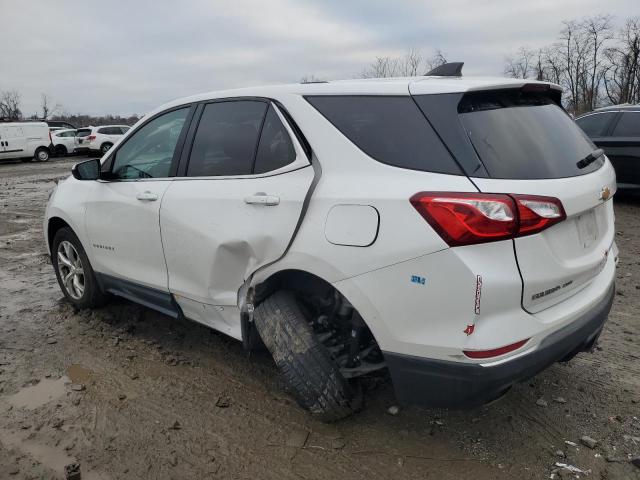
x: 440, y: 383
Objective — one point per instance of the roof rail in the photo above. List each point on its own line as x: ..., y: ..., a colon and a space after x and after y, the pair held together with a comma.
x: 452, y: 69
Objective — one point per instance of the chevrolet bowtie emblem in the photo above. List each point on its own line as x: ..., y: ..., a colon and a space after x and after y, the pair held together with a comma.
x: 605, y: 194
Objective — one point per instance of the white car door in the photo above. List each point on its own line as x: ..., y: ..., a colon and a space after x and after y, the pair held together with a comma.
x: 122, y: 215
x: 233, y: 209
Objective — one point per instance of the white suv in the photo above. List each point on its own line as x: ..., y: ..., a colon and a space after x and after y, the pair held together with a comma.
x: 99, y: 139
x: 458, y: 232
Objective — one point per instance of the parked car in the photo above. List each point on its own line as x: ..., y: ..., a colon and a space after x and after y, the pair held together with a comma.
x: 99, y: 139
x: 25, y: 140
x: 457, y: 232
x: 616, y: 130
x: 64, y: 141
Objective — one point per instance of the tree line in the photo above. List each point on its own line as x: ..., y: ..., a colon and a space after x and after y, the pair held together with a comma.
x: 11, y: 110
x: 595, y: 63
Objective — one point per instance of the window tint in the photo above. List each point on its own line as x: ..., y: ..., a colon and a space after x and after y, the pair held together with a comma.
x: 275, y: 149
x: 225, y: 142
x: 149, y: 151
x: 83, y: 132
x: 124, y: 129
x: 595, y: 125
x: 524, y: 136
x: 628, y: 125
x: 389, y: 129
x: 105, y: 130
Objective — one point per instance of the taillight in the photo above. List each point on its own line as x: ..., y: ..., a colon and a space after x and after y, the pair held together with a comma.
x: 537, y: 213
x: 470, y: 218
x: 91, y: 138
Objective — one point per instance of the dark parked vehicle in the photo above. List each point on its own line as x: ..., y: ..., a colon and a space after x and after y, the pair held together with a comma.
x: 616, y: 130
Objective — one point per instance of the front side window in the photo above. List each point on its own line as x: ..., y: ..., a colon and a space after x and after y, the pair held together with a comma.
x: 148, y: 153
x: 226, y: 139
x: 628, y: 125
x: 595, y: 125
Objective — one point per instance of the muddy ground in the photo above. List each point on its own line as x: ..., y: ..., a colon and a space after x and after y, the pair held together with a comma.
x: 130, y: 394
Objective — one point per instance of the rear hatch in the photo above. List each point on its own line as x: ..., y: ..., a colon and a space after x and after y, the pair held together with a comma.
x: 528, y: 145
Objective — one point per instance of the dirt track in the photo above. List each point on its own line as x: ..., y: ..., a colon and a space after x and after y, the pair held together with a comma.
x: 166, y: 399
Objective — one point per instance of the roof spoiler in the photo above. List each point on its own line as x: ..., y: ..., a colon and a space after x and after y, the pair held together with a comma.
x: 453, y: 69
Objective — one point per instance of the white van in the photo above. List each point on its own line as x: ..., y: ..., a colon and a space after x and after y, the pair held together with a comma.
x: 25, y: 140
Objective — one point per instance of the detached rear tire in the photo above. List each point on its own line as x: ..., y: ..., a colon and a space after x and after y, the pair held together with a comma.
x: 306, y: 364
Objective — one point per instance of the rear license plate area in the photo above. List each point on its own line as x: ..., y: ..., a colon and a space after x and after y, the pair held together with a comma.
x: 587, y: 229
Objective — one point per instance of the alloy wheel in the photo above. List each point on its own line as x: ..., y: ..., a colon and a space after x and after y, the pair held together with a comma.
x: 71, y: 269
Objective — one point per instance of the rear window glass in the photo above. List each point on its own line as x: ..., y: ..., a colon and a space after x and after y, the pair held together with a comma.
x: 628, y: 125
x: 275, y: 149
x: 524, y: 136
x: 390, y: 129
x: 595, y: 125
x: 83, y: 132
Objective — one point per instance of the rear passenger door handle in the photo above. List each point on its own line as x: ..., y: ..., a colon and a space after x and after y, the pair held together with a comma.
x: 147, y: 197
x: 261, y: 198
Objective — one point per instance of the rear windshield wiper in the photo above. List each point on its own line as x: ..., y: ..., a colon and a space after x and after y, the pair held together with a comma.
x: 589, y: 159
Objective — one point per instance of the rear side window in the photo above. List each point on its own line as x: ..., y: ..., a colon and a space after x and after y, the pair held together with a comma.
x: 275, y: 149
x: 628, y: 125
x: 83, y: 132
x: 521, y: 136
x: 595, y: 125
x: 390, y: 129
x: 226, y: 140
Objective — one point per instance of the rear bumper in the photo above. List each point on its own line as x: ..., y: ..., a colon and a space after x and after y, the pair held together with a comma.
x: 440, y: 383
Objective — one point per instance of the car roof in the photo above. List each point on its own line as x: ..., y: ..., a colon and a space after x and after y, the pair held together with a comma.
x: 422, y: 85
x: 102, y: 126
x: 64, y: 130
x: 623, y: 108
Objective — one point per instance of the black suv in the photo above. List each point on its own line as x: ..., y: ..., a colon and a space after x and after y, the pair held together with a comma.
x: 616, y: 130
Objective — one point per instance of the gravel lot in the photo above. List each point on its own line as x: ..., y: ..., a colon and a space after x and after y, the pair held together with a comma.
x: 128, y: 393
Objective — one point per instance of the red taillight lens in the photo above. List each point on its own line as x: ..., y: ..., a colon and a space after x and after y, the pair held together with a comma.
x: 496, y: 352
x: 91, y: 138
x: 537, y: 213
x: 470, y: 218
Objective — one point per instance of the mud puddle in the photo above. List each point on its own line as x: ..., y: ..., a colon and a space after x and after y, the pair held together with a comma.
x: 45, y: 391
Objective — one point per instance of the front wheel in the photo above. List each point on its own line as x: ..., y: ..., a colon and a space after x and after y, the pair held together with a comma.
x: 305, y: 363
x: 73, y: 271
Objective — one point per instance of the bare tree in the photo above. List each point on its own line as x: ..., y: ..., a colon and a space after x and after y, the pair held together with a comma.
x: 10, y: 102
x: 311, y: 79
x: 622, y: 76
x: 45, y: 106
x: 381, y: 67
x: 435, y: 60
x: 410, y: 64
x: 520, y: 65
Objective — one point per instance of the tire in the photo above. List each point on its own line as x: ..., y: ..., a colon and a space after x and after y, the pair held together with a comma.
x: 105, y: 147
x: 61, y: 150
x: 41, y: 154
x: 306, y: 365
x: 91, y: 295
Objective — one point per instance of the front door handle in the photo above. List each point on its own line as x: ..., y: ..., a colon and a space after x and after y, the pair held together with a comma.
x: 262, y: 198
x: 147, y: 196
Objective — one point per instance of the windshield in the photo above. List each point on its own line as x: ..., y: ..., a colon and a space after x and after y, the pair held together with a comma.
x: 524, y: 136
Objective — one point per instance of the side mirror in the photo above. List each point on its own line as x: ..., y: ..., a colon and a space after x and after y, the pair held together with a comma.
x: 87, y: 170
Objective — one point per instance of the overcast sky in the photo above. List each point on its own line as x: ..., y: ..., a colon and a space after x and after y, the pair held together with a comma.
x: 129, y: 56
